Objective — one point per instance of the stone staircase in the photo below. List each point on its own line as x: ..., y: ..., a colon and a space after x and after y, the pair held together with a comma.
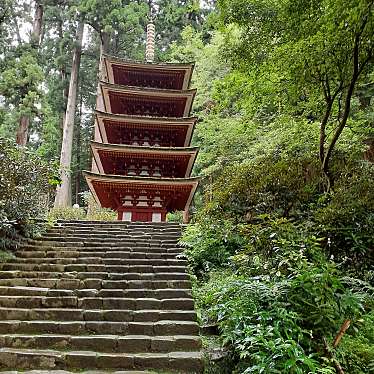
x: 99, y: 297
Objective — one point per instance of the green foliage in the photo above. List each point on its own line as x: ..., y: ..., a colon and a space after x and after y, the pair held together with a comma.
x: 5, y: 256
x: 101, y: 214
x: 356, y: 350
x: 347, y: 218
x: 67, y: 213
x: 24, y: 192
x: 175, y: 217
x: 210, y: 245
x: 92, y: 212
x: 95, y: 212
x: 20, y: 83
x: 24, y: 183
x: 209, y: 66
x: 257, y: 323
x: 308, y: 60
x: 278, y: 299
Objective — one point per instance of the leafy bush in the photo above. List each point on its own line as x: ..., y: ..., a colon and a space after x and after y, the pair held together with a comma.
x: 175, y: 217
x: 96, y: 212
x: 24, y: 182
x: 275, y: 295
x: 249, y: 315
x: 93, y: 213
x: 347, y: 218
x: 356, y: 351
x: 25, y: 185
x: 101, y: 214
x: 277, y: 326
x: 66, y: 213
x: 210, y: 244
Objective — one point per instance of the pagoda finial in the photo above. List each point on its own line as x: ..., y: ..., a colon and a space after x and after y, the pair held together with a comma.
x: 150, y: 47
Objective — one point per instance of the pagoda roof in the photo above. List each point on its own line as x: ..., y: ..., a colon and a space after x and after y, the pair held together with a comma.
x: 101, y: 151
x: 118, y: 99
x: 109, y: 190
x: 161, y: 75
x: 107, y: 122
x: 145, y: 119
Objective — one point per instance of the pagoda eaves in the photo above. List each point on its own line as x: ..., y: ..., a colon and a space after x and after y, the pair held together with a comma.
x: 142, y: 198
x: 140, y: 130
x: 144, y: 161
x: 165, y: 76
x: 130, y: 100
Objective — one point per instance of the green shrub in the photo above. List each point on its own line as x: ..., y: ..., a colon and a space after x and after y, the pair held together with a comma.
x: 210, y: 244
x: 24, y: 182
x: 66, y: 213
x: 175, y: 217
x: 25, y: 185
x: 278, y: 326
x: 96, y: 212
x: 356, y: 350
x: 91, y: 212
x: 263, y: 332
x: 274, y: 294
x: 101, y: 214
x: 346, y: 217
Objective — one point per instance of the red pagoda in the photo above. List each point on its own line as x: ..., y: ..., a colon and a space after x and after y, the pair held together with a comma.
x: 142, y: 159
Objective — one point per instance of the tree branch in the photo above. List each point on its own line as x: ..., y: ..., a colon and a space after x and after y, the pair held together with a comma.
x: 357, y: 69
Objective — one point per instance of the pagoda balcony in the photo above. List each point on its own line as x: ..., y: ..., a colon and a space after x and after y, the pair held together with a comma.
x: 144, y: 161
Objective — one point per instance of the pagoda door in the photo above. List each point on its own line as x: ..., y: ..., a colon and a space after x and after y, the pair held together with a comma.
x: 141, y: 216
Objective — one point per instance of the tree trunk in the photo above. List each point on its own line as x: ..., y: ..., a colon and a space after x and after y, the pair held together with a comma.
x: 63, y: 194
x: 104, y: 46
x: 63, y: 77
x: 37, y: 25
x: 24, y: 122
x: 23, y: 129
x: 78, y: 150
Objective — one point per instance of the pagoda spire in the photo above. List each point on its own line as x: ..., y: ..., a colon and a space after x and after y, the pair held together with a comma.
x: 150, y: 47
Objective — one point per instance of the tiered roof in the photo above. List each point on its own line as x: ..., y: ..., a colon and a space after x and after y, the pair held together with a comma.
x: 165, y: 132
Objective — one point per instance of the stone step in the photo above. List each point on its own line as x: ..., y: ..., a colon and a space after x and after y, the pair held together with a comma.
x: 50, y: 359
x: 75, y: 372
x: 114, y: 236
x: 112, y: 231
x: 114, y: 297
x: 99, y: 261
x: 86, y: 239
x: 98, y: 284
x: 10, y: 266
x: 131, y: 225
x: 94, y: 275
x: 103, y: 243
x: 75, y: 314
x: 36, y: 247
x: 98, y: 255
x: 103, y: 343
x: 95, y: 302
x: 162, y: 327
x: 103, y: 293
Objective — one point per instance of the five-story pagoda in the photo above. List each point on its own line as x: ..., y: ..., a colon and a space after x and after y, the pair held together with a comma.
x: 142, y: 159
